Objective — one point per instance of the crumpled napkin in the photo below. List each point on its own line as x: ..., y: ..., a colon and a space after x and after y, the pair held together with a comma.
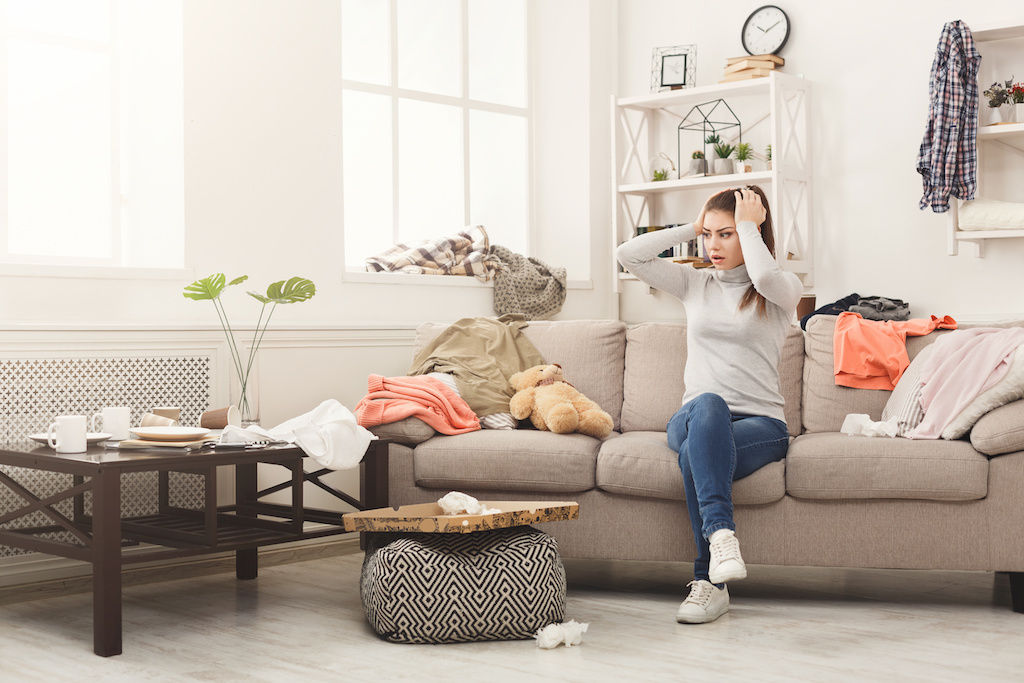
x: 329, y: 434
x: 859, y: 424
x: 456, y: 502
x: 553, y: 635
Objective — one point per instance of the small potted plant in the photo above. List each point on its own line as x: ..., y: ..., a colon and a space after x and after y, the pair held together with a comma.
x: 662, y: 167
x: 768, y: 156
x: 744, y: 156
x: 998, y: 94
x: 723, y: 163
x: 698, y: 164
x: 1017, y: 96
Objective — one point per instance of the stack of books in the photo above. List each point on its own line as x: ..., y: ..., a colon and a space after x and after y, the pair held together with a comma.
x: 751, y: 66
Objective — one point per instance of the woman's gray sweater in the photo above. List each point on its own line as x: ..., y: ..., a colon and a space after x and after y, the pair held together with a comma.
x: 730, y: 352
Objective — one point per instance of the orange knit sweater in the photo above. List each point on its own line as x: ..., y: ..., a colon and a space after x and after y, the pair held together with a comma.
x: 872, y: 354
x: 391, y: 399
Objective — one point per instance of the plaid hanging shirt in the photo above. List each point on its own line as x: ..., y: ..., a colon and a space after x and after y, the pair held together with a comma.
x: 465, y: 253
x: 948, y: 158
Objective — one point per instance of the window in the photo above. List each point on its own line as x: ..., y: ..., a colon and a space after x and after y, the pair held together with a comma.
x: 435, y: 122
x: 91, y: 109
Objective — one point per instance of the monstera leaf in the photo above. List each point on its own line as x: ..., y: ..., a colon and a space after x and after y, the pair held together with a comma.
x: 291, y: 291
x: 210, y: 286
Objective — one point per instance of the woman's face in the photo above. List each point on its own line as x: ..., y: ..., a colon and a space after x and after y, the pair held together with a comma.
x: 721, y: 243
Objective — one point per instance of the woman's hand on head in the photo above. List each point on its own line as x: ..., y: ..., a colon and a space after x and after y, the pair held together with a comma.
x: 749, y: 207
x: 699, y: 223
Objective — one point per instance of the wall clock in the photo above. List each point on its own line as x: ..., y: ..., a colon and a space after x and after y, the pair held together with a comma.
x: 765, y: 31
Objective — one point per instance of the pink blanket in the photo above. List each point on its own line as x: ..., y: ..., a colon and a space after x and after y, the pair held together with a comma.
x: 964, y: 364
x: 391, y: 399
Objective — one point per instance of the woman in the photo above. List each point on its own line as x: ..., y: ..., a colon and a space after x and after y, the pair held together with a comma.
x: 731, y: 422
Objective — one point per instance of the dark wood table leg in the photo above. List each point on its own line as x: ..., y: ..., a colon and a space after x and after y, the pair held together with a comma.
x: 106, y: 563
x: 246, y: 559
x: 373, y: 481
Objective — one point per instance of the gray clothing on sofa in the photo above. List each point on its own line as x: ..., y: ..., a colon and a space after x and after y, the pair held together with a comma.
x: 730, y: 352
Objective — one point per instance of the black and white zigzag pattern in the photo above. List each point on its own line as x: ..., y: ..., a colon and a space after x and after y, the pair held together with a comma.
x: 449, y: 588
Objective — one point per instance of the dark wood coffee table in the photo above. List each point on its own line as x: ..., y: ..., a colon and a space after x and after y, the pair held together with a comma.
x: 243, y: 527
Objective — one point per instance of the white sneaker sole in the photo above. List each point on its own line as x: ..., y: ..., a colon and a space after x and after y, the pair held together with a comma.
x: 730, y: 570
x: 702, y: 618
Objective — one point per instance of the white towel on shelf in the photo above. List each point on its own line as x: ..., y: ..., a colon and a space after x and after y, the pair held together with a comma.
x: 991, y: 214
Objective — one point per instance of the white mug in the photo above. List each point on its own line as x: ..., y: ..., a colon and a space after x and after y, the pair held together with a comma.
x: 116, y: 422
x: 70, y: 433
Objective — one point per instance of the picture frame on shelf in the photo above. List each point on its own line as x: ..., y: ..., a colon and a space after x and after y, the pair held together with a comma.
x: 673, y: 67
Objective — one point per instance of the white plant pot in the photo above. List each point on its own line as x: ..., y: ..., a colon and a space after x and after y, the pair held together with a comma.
x: 742, y: 166
x: 1007, y: 113
x: 1019, y: 111
x: 995, y: 115
x: 723, y: 166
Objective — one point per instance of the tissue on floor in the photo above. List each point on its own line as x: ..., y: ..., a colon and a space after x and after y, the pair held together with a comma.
x: 553, y: 635
x: 456, y: 502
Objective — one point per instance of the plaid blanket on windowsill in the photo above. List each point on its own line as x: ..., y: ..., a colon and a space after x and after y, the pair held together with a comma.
x: 465, y: 253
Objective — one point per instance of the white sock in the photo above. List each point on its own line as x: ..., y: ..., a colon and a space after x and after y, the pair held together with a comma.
x: 726, y: 532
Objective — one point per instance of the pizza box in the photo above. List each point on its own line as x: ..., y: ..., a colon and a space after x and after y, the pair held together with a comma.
x: 430, y: 518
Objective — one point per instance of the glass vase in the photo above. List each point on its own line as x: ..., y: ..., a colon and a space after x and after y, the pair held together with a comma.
x: 247, y: 398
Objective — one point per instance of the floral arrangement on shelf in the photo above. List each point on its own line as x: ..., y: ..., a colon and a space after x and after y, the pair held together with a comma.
x: 661, y: 167
x: 293, y: 290
x: 998, y: 93
x: 1017, y: 94
x: 744, y: 153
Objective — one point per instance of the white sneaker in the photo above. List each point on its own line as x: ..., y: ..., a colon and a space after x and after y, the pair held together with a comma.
x: 726, y: 562
x: 704, y: 603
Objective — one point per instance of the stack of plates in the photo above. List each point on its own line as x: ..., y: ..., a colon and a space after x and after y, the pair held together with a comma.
x: 178, y: 437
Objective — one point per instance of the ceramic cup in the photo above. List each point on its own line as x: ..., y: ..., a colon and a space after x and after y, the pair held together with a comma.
x: 171, y: 412
x: 151, y: 420
x: 115, y: 420
x: 221, y: 418
x: 69, y: 431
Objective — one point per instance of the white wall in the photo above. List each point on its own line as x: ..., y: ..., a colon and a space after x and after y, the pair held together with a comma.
x: 870, y: 70
x: 263, y: 177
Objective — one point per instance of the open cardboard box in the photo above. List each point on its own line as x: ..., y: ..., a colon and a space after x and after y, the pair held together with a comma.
x: 430, y: 518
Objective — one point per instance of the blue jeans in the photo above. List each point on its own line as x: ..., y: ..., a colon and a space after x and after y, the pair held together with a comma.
x: 715, y: 448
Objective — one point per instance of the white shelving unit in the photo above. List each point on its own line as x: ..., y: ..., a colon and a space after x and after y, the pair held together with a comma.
x: 783, y: 100
x: 1010, y: 135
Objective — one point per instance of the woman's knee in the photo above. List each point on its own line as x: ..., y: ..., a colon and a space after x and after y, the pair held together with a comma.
x: 710, y: 401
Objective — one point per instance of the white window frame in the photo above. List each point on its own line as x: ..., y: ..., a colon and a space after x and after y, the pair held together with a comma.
x: 350, y: 273
x: 30, y: 265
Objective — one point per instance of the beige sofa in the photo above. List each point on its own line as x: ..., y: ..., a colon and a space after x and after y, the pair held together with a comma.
x: 835, y: 501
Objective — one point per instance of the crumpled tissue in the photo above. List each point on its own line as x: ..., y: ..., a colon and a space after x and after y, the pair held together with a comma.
x: 329, y: 434
x: 553, y: 635
x: 858, y: 424
x: 456, y: 502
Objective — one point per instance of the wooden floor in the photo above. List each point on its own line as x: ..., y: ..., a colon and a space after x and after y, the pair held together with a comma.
x: 304, y: 622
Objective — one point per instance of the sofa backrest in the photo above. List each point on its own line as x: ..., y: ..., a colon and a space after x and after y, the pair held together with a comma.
x: 653, y: 384
x: 591, y: 353
x: 825, y: 405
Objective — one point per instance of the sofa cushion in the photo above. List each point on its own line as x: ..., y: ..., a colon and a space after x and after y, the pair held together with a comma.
x: 1000, y: 431
x: 591, y: 353
x: 653, y: 386
x: 640, y: 463
x: 409, y: 431
x: 833, y: 466
x: 508, y: 460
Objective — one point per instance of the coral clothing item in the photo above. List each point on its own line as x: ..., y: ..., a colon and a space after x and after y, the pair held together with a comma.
x: 391, y: 399
x: 872, y: 354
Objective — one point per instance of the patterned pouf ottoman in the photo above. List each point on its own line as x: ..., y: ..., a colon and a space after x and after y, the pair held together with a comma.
x: 503, y: 584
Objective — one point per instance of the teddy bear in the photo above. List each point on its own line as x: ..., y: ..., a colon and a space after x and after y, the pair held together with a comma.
x: 551, y: 403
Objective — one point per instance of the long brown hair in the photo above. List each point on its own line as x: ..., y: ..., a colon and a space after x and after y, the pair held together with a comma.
x: 726, y: 201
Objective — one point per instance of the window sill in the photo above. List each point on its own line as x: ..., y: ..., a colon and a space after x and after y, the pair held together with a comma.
x: 95, y: 272
x: 428, y: 280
